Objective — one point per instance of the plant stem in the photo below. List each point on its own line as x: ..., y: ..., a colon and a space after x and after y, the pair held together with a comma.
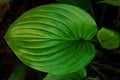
x: 102, y: 15
x: 92, y: 12
x: 118, y: 16
x: 107, y: 67
x: 98, y: 72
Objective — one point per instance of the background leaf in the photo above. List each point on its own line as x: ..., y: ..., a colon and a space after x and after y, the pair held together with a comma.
x: 4, y: 1
x: 72, y: 76
x: 84, y: 4
x: 108, y: 39
x: 111, y: 2
x: 53, y: 38
x: 90, y: 78
x: 18, y: 73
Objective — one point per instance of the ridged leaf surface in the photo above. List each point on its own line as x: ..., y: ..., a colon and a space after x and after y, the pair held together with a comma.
x: 53, y: 38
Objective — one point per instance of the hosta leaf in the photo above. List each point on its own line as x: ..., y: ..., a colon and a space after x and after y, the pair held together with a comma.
x: 84, y: 4
x: 18, y: 73
x: 53, y: 38
x: 72, y: 76
x: 108, y: 39
x: 111, y: 2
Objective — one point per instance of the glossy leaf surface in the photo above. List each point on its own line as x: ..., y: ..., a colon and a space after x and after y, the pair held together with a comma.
x: 108, y: 39
x: 53, y: 38
x: 72, y: 76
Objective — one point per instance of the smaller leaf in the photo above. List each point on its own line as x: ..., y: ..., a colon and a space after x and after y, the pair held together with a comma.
x: 108, y: 39
x: 111, y: 2
x: 84, y: 4
x: 72, y: 76
x: 18, y: 72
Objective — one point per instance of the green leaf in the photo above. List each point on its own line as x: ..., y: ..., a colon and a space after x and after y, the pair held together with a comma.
x: 108, y: 39
x: 84, y: 4
x: 53, y: 38
x: 111, y: 2
x: 72, y: 76
x: 18, y: 72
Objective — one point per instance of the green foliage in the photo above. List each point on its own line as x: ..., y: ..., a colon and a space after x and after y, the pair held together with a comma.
x: 18, y: 73
x: 108, y: 39
x: 111, y: 2
x: 72, y: 76
x: 53, y: 38
x: 4, y: 1
x: 84, y: 4
x: 79, y: 75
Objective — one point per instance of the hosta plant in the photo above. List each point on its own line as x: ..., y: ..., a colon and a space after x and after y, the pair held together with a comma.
x: 53, y: 38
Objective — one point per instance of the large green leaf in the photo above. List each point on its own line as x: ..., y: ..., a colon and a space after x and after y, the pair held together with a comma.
x: 108, y: 39
x: 84, y: 4
x: 53, y: 38
x: 72, y: 76
x: 111, y: 2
